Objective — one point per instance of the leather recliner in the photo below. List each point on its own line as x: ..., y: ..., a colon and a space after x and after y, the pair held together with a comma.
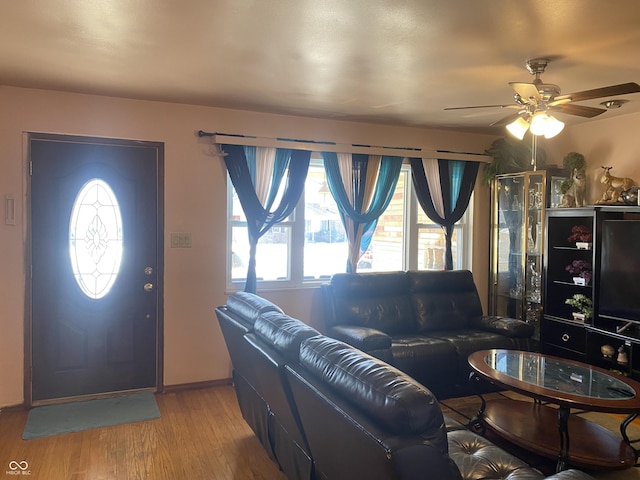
x: 335, y: 412
x: 426, y: 323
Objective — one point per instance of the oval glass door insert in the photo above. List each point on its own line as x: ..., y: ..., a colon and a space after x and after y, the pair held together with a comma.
x: 95, y: 238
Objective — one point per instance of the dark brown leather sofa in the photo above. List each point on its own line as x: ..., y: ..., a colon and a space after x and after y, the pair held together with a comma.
x: 326, y: 410
x: 426, y: 323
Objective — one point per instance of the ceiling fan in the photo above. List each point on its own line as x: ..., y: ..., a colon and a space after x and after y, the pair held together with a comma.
x: 536, y: 100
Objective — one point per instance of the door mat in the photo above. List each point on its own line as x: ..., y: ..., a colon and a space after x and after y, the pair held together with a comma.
x: 51, y: 420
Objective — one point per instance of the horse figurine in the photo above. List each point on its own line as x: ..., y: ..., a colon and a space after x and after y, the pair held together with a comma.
x: 615, y: 186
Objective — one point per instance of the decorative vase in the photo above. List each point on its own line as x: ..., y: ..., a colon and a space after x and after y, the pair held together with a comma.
x: 584, y: 245
x: 579, y: 281
x: 623, y: 358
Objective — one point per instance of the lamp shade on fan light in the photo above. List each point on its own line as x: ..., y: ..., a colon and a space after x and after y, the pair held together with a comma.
x: 541, y: 123
x: 518, y: 128
x: 545, y: 124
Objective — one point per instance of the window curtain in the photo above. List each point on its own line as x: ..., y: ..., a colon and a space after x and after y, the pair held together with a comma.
x: 444, y: 189
x: 362, y: 186
x: 256, y: 174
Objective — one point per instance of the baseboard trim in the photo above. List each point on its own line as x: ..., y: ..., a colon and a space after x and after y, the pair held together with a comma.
x: 197, y: 385
x: 14, y: 408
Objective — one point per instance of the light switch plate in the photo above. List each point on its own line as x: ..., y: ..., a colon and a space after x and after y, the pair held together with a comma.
x: 180, y: 240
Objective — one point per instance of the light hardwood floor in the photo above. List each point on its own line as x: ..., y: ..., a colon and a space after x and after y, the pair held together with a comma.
x: 200, y: 435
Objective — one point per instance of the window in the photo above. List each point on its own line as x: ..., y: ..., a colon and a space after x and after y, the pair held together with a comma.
x: 311, y: 245
x: 95, y: 238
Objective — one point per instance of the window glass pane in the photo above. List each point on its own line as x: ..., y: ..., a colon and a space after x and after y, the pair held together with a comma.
x: 273, y: 252
x: 386, y: 251
x: 95, y: 238
x: 272, y: 255
x: 314, y: 242
x: 236, y: 209
x: 237, y: 214
x: 431, y: 248
x: 422, y: 217
x: 325, y: 242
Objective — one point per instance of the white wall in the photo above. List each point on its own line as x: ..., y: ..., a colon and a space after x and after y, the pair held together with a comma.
x: 195, y: 185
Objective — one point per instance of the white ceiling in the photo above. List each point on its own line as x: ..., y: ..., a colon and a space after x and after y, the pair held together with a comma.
x: 390, y: 61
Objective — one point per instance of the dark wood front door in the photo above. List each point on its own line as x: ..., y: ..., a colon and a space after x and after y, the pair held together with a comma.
x: 95, y: 273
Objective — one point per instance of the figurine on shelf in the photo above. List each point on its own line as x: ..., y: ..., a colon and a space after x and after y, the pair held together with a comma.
x: 576, y: 194
x: 630, y: 197
x: 615, y: 187
x: 623, y: 358
x: 574, y: 189
x: 607, y: 351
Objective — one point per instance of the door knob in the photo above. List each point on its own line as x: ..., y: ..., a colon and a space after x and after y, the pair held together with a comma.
x: 148, y: 287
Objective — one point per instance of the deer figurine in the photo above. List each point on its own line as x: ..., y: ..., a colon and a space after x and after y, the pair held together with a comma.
x: 615, y: 186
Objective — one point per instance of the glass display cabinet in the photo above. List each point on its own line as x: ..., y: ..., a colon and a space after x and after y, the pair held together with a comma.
x: 517, y: 244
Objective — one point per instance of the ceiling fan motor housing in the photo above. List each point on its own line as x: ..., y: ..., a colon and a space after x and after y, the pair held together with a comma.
x: 537, y: 66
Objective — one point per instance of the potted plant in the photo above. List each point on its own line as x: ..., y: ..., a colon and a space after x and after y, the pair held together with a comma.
x: 581, y: 271
x: 582, y: 235
x: 510, y: 155
x: 583, y: 304
x: 572, y: 161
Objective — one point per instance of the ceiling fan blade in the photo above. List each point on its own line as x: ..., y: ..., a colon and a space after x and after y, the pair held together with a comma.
x: 622, y: 89
x: 559, y: 101
x: 506, y: 120
x: 579, y: 110
x: 527, y: 91
x: 484, y: 106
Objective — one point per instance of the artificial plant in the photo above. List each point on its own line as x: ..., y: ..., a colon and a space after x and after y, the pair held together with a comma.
x: 571, y: 161
x: 509, y: 156
x: 582, y: 303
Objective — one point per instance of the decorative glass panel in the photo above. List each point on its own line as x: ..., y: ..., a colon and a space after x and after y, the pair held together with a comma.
x: 95, y: 238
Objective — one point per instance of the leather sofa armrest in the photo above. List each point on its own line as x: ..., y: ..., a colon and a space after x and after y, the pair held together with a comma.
x: 363, y: 338
x: 509, y: 327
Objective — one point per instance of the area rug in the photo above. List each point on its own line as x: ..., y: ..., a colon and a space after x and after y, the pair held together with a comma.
x: 464, y: 408
x: 51, y: 420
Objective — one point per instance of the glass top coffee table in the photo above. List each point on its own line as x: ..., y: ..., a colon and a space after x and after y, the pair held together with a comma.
x: 557, y: 385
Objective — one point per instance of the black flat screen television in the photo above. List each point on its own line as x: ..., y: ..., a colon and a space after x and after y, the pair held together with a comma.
x: 619, y: 284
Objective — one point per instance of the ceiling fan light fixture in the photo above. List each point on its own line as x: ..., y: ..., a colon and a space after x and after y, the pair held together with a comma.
x: 518, y: 128
x: 554, y: 127
x: 544, y: 124
x: 539, y: 123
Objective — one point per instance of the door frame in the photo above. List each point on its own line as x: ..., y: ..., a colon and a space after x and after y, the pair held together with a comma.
x: 28, y: 348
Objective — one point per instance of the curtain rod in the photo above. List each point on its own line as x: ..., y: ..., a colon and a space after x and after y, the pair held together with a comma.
x: 233, y: 139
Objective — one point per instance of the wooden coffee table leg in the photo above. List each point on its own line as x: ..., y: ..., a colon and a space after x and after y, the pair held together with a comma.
x: 563, y: 429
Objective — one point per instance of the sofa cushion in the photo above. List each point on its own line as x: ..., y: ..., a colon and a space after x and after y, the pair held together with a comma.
x: 395, y: 400
x: 431, y: 361
x: 445, y: 300
x: 467, y: 341
x: 477, y: 457
x: 379, y: 300
x: 363, y: 338
x: 283, y: 333
x: 249, y: 306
